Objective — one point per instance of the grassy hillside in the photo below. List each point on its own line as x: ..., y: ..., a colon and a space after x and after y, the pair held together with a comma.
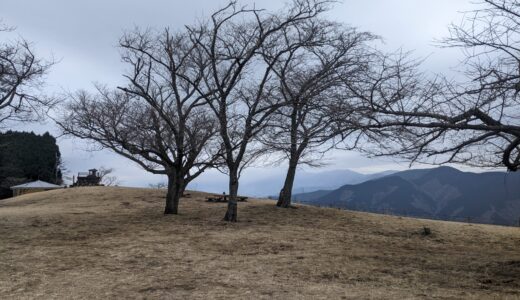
x: 114, y: 242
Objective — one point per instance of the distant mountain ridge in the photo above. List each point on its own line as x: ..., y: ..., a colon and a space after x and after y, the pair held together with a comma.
x: 441, y: 193
x: 305, y: 182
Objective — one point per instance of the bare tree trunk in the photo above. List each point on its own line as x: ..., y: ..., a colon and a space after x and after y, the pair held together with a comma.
x: 183, y: 189
x: 232, y: 209
x: 284, y: 200
x: 175, y: 189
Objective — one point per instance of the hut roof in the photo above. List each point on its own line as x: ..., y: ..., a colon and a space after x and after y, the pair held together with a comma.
x: 38, y: 184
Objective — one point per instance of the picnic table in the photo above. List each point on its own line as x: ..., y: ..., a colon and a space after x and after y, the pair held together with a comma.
x: 224, y: 198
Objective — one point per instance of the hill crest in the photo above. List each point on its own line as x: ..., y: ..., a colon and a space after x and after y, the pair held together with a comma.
x: 115, y: 243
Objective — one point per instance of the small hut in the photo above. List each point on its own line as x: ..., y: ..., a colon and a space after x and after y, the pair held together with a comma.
x: 90, y: 178
x: 33, y: 187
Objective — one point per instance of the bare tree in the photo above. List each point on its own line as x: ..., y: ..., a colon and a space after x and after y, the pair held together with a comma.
x: 442, y: 121
x: 311, y: 84
x: 107, y: 177
x: 159, y: 120
x: 21, y: 76
x: 158, y: 185
x: 242, y: 79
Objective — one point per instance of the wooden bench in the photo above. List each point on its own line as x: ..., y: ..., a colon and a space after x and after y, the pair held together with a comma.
x: 224, y: 198
x: 215, y: 199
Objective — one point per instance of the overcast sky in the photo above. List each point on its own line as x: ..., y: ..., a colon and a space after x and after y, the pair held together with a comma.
x: 82, y: 37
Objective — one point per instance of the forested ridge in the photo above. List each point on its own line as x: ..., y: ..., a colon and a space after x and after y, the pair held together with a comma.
x: 26, y: 156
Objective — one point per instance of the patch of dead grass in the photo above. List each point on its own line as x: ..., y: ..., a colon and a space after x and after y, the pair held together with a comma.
x: 115, y: 243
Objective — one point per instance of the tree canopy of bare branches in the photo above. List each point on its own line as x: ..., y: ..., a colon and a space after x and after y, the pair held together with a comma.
x: 21, y: 76
x: 107, y: 176
x: 311, y: 84
x: 437, y: 120
x: 158, y: 120
x: 241, y: 46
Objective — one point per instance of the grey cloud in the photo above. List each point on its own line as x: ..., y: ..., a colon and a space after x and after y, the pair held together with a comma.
x: 83, y: 35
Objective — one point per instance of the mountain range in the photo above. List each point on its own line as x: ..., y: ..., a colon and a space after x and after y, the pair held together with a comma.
x: 440, y: 193
x: 270, y: 183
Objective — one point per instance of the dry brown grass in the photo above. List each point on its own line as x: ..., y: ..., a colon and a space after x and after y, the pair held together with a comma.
x: 115, y: 243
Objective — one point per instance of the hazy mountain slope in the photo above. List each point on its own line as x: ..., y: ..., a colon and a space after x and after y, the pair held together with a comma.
x: 376, y: 175
x: 270, y: 184
x: 303, y: 197
x: 387, y: 194
x: 304, y: 182
x: 444, y: 193
x: 307, y: 182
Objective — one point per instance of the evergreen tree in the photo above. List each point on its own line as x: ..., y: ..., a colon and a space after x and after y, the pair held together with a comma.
x: 26, y: 156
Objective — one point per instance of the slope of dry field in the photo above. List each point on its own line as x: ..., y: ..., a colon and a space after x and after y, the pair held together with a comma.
x: 115, y: 243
